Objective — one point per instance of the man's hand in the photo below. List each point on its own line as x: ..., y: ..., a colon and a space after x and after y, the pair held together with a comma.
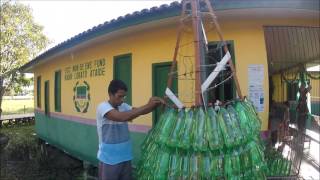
x: 155, y: 101
x: 115, y: 115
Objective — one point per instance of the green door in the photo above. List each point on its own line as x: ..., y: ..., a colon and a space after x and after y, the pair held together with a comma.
x: 160, y: 73
x: 122, y: 71
x: 46, y: 98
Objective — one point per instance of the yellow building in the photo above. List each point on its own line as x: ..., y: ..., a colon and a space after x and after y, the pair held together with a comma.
x: 71, y: 78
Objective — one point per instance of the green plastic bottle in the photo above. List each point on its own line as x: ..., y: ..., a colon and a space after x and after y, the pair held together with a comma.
x: 254, y: 156
x: 194, y: 166
x: 239, y: 138
x: 235, y: 160
x: 186, y: 138
x: 259, y: 175
x: 281, y: 166
x: 228, y: 171
x: 244, y: 160
x: 223, y: 120
x: 167, y: 127
x: 199, y: 141
x: 175, y: 167
x: 154, y: 133
x: 175, y: 138
x: 253, y: 116
x: 246, y: 122
x: 288, y: 170
x: 162, y: 164
x: 186, y: 166
x: 274, y: 167
x: 150, y: 157
x: 206, y: 168
x: 212, y: 130
x: 284, y: 167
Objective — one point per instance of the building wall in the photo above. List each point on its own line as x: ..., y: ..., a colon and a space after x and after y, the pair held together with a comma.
x: 315, y: 96
x: 280, y: 93
x: 145, y: 51
x: 153, y: 47
x: 315, y: 91
x: 147, y: 47
x: 280, y: 89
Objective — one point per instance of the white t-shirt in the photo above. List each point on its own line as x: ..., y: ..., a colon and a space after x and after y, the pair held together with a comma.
x: 114, y: 139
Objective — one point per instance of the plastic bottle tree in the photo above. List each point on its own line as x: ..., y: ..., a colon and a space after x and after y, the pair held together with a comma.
x: 194, y: 139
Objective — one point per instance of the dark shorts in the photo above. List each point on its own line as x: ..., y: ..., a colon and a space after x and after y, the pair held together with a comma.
x: 121, y: 171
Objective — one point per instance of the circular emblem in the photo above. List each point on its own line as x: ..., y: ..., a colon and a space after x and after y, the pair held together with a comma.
x: 81, y: 96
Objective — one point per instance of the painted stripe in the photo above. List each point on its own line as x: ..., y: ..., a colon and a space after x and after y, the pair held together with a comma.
x: 132, y: 127
x: 77, y: 119
x: 139, y: 128
x: 264, y: 134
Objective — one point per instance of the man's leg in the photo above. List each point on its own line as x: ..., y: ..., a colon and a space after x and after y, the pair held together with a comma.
x: 274, y: 137
x: 302, y: 117
x: 109, y: 172
x: 126, y: 171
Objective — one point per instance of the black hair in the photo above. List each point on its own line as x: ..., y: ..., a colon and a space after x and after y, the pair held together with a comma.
x: 116, y: 85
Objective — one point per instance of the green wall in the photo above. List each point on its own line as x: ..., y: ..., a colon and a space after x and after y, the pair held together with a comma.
x: 77, y: 139
x: 315, y: 108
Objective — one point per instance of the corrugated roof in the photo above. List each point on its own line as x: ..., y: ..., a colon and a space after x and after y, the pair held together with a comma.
x: 291, y: 46
x: 164, y: 11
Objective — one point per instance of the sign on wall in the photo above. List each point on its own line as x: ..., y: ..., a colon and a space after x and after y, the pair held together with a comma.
x: 81, y: 96
x: 255, y: 83
x: 85, y: 70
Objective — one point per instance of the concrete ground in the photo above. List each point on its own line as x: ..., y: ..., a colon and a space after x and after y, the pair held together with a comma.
x: 309, y: 168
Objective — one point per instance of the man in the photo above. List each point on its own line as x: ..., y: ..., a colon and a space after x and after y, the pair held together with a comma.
x: 115, y: 146
x: 302, y: 107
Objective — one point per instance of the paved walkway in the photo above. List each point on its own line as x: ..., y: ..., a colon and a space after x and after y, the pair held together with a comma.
x: 310, y: 163
x: 16, y: 116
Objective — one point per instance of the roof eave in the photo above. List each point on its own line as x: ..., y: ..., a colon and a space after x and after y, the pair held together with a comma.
x: 162, y: 12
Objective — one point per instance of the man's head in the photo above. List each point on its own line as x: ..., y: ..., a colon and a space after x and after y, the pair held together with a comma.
x: 117, y: 91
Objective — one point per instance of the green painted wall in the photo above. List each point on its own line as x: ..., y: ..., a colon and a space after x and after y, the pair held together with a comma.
x: 315, y: 108
x: 77, y: 139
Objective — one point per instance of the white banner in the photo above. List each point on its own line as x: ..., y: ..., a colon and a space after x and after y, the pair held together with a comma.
x: 255, y: 85
x: 215, y: 72
x: 174, y: 98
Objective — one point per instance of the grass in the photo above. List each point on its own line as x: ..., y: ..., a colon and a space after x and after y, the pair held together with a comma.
x: 24, y: 157
x: 19, y: 135
x: 20, y: 106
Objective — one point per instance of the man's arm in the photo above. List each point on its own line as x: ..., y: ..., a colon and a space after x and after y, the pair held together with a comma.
x: 309, y: 87
x: 115, y: 115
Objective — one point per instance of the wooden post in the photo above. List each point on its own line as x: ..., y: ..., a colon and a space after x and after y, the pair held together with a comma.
x: 196, y: 30
x: 225, y: 48
x: 196, y: 26
x: 174, y: 62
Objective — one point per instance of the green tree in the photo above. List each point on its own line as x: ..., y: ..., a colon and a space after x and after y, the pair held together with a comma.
x: 21, y: 39
x: 19, y: 86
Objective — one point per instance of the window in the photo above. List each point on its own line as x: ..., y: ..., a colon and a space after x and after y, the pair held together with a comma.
x: 46, y: 98
x: 225, y: 91
x: 39, y: 91
x: 57, y: 91
x: 122, y: 70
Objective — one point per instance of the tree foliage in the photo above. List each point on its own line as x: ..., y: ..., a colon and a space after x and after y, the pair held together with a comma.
x: 21, y: 39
